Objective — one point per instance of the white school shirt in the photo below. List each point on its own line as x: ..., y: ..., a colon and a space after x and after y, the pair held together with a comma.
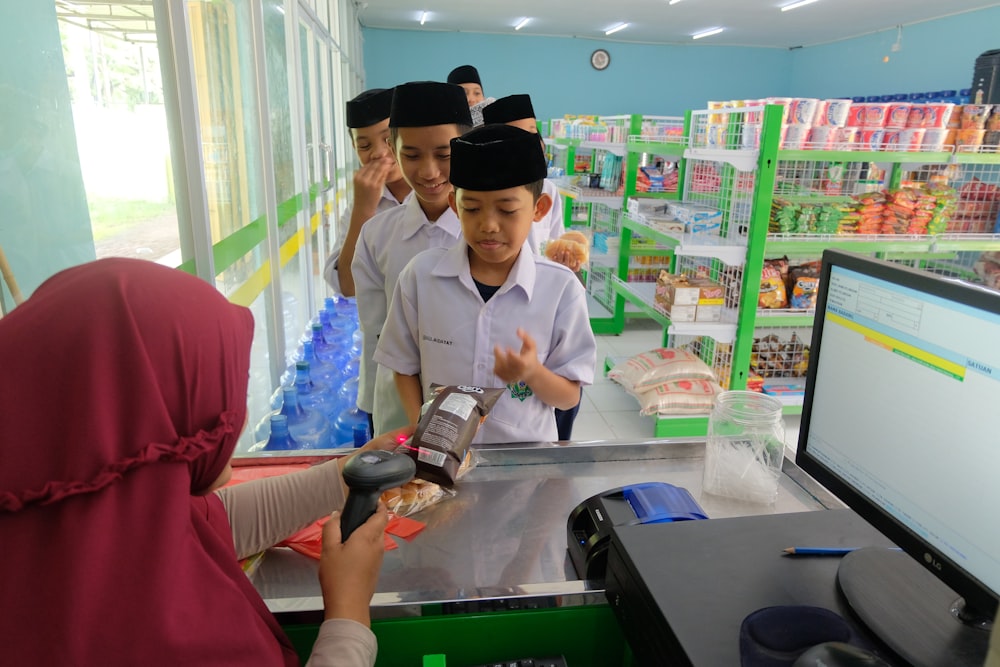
x: 439, y: 326
x: 387, y: 243
x: 387, y: 202
x: 551, y: 226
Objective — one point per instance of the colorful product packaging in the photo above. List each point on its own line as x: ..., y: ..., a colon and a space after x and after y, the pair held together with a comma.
x: 870, y: 139
x: 937, y: 115
x: 832, y: 113
x: 794, y: 136
x: 974, y: 116
x: 897, y: 114
x: 802, y: 111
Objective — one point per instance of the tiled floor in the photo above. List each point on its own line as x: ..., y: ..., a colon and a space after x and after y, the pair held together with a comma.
x: 607, y: 412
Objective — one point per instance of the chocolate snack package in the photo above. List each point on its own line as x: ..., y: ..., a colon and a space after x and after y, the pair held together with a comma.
x: 446, y: 430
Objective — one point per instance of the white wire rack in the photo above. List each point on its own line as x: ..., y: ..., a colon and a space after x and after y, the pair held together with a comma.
x: 729, y: 129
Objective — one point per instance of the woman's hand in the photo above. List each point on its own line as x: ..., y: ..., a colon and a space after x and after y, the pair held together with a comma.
x: 388, y: 441
x: 348, y: 572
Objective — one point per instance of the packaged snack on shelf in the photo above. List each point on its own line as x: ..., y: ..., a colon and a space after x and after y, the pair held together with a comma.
x: 911, y: 139
x: 446, y: 429
x: 802, y: 111
x: 772, y: 357
x: 697, y: 217
x: 772, y: 285
x: 689, y: 299
x: 785, y: 103
x: 795, y: 136
x: 934, y: 139
x: 784, y: 386
x: 974, y: 116
x: 642, y: 372
x: 897, y: 114
x: 805, y: 285
x: 869, y: 139
x: 970, y: 138
x: 987, y: 268
x: 937, y: 115
x: 915, y: 116
x: 680, y: 397
x: 832, y: 113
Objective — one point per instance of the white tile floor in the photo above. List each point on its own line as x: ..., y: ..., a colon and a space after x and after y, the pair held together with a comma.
x: 607, y: 412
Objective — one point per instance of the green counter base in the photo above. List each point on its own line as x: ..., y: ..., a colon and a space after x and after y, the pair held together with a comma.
x: 588, y: 636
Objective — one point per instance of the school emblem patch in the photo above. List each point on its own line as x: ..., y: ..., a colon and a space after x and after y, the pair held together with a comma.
x: 519, y: 390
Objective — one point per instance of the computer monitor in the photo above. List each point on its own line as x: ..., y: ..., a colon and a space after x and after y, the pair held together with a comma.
x: 901, y: 421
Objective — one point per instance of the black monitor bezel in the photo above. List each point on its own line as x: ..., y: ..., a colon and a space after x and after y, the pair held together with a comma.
x: 975, y: 593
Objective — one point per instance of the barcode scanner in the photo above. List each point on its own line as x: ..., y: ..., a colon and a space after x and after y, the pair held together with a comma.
x: 368, y: 474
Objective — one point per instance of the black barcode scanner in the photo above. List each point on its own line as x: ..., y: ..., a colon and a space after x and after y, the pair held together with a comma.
x: 367, y: 475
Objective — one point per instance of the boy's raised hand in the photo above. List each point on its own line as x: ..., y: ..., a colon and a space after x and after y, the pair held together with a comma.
x: 514, y: 366
x: 369, y: 181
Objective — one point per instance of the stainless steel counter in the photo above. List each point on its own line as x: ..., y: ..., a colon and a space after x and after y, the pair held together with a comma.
x: 503, y: 535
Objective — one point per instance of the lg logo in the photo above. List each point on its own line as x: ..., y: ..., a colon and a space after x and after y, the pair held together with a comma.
x: 929, y: 559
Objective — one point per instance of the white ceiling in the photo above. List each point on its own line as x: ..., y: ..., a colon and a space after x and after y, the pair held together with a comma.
x: 747, y: 22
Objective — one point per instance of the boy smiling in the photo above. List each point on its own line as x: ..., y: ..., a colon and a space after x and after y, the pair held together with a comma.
x: 424, y: 118
x: 489, y: 312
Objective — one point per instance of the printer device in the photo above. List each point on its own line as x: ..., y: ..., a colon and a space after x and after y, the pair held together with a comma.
x: 589, y: 526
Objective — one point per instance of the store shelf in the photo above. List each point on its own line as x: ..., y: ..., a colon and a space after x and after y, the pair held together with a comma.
x: 656, y: 146
x: 866, y: 156
x: 643, y: 295
x: 814, y: 244
x: 742, y: 160
x: 785, y: 317
x: 966, y: 242
x: 617, y: 149
x: 732, y: 253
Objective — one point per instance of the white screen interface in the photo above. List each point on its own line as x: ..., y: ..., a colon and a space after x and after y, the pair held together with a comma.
x: 906, y: 410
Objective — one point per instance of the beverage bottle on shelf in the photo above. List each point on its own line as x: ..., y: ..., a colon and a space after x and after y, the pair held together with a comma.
x: 280, y: 438
x: 310, y: 428
x: 349, y: 418
x: 330, y: 352
x: 314, y: 394
x: 347, y: 395
x: 362, y: 434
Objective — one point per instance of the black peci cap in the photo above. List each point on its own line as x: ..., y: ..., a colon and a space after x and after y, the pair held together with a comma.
x: 508, y: 109
x: 425, y: 103
x: 496, y: 157
x: 369, y: 108
x: 464, y: 74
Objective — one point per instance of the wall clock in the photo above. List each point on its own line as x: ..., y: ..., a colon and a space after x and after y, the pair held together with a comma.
x: 600, y: 59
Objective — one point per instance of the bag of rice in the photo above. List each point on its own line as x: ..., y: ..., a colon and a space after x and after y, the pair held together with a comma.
x: 644, y: 371
x: 680, y: 397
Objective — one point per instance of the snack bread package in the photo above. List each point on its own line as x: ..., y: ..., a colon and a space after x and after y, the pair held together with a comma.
x: 446, y: 429
x: 414, y: 496
x: 572, y: 241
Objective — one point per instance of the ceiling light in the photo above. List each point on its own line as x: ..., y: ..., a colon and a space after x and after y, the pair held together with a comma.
x: 796, y: 5
x: 423, y: 18
x: 523, y: 23
x: 707, y: 33
x: 620, y: 26
x: 674, y: 2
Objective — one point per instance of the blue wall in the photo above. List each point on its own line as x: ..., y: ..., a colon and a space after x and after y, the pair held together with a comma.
x: 556, y: 71
x: 935, y: 55
x: 669, y: 79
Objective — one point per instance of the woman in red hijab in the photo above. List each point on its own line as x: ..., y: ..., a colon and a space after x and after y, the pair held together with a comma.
x: 124, y: 386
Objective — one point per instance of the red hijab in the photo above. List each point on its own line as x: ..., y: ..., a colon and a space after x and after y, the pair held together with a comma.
x: 123, y: 388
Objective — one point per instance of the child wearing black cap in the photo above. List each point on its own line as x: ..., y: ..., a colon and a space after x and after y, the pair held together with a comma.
x: 490, y: 312
x: 467, y: 77
x: 517, y: 111
x: 378, y: 184
x: 424, y: 118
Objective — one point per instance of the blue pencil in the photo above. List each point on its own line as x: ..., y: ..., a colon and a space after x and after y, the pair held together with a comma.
x: 824, y: 551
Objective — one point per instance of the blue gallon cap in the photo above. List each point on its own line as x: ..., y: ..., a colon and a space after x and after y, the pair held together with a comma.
x: 659, y: 502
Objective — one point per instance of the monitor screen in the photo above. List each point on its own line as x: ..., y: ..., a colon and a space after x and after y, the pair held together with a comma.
x: 902, y: 414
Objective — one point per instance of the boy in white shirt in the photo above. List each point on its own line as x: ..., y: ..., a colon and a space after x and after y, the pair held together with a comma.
x: 489, y: 312
x: 424, y: 118
x: 378, y: 184
x: 517, y: 111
